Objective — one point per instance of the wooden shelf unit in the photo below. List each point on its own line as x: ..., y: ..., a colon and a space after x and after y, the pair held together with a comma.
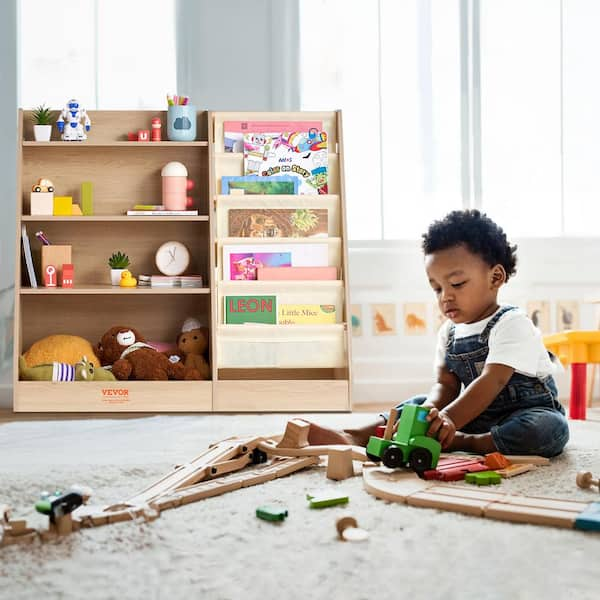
x: 123, y: 173
x: 280, y: 367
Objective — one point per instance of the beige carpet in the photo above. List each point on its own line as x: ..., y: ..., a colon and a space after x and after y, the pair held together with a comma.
x: 218, y: 549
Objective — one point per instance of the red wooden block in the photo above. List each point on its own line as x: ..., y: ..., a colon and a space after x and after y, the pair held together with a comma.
x: 380, y: 431
x: 454, y: 469
x: 496, y: 460
x: 68, y: 272
x: 50, y: 276
x: 143, y: 135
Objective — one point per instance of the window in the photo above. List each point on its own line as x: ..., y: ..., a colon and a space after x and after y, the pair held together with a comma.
x: 108, y: 54
x: 460, y: 104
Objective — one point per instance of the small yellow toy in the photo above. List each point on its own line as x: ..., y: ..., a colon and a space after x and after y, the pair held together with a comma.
x: 127, y: 279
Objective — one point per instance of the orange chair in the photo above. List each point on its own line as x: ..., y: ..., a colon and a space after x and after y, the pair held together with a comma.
x: 578, y: 349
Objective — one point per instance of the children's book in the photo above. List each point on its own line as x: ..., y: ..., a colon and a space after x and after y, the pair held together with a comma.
x: 250, y: 309
x: 303, y: 154
x: 241, y: 261
x: 233, y: 131
x: 296, y: 273
x: 253, y: 184
x: 278, y: 222
x: 306, y: 314
x: 162, y: 213
x: 28, y: 257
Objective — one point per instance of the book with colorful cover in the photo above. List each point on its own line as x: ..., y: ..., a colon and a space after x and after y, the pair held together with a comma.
x: 250, y: 309
x: 243, y: 265
x: 241, y: 261
x: 303, y: 154
x: 306, y: 314
x: 278, y: 222
x: 233, y: 131
x: 253, y: 184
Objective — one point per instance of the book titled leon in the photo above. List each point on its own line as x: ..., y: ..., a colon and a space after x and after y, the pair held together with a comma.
x: 265, y: 310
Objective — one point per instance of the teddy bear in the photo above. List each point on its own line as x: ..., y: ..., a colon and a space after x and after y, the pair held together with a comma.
x: 131, y: 357
x: 192, y: 343
x: 83, y: 370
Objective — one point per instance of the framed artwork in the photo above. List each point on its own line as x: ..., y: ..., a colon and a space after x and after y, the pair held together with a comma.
x: 567, y: 315
x: 539, y: 312
x: 356, y: 316
x: 384, y: 319
x: 415, y: 318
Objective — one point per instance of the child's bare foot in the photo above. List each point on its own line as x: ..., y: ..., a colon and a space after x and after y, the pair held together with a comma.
x: 322, y: 436
x: 476, y: 443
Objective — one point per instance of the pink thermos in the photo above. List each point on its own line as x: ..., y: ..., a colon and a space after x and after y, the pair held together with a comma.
x: 175, y: 185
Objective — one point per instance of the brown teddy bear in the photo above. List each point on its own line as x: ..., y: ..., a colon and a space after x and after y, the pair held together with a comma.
x: 132, y: 358
x: 192, y: 343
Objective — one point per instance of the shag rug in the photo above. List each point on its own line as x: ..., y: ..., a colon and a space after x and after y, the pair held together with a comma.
x: 217, y: 549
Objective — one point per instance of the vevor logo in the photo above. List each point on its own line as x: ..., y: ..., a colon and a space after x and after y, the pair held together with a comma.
x: 115, y: 392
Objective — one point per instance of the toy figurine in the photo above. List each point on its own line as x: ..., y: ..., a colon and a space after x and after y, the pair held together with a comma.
x: 72, y: 114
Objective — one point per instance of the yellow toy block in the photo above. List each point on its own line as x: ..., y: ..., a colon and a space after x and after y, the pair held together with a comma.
x: 63, y: 206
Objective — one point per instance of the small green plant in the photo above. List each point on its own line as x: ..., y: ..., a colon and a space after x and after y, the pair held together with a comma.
x: 118, y: 260
x: 41, y: 115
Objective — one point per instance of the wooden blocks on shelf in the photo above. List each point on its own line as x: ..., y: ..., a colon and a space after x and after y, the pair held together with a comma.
x: 87, y: 198
x: 41, y: 203
x: 56, y: 256
x: 63, y: 206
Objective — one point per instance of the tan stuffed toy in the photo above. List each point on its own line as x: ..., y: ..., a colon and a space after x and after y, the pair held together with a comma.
x: 60, y: 348
x: 132, y: 358
x: 192, y: 344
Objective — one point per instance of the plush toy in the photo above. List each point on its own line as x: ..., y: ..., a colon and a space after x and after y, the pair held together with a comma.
x: 83, y: 370
x: 60, y: 348
x: 192, y: 343
x: 132, y: 358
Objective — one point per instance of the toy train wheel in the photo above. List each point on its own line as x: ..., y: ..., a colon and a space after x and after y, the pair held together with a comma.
x: 258, y: 456
x: 392, y: 457
x: 373, y: 458
x: 420, y: 460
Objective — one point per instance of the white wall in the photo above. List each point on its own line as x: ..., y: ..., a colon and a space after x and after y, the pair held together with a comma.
x: 391, y: 368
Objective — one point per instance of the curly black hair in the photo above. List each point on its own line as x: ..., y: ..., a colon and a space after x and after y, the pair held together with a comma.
x: 478, y: 233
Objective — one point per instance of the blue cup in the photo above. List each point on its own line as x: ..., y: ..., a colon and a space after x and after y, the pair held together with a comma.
x: 181, y: 123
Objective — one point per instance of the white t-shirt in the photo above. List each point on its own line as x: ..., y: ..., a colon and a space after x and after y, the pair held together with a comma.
x: 514, y: 341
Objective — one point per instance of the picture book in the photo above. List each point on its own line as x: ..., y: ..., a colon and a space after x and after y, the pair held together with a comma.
x: 306, y: 314
x: 162, y: 213
x: 28, y: 257
x: 243, y: 265
x: 253, y: 184
x: 241, y: 261
x: 233, y: 131
x: 296, y: 273
x: 250, y: 309
x: 277, y: 222
x: 301, y: 154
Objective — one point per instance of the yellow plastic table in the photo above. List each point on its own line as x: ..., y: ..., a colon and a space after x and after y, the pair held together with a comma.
x: 577, y: 348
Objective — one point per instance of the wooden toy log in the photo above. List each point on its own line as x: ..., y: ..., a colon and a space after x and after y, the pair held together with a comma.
x: 389, y: 427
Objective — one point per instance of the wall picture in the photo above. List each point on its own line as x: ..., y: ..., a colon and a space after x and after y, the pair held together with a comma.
x: 567, y: 314
x: 539, y: 312
x: 415, y: 318
x: 356, y: 316
x: 384, y: 319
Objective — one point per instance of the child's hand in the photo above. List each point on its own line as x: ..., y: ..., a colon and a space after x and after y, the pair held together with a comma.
x: 441, y: 426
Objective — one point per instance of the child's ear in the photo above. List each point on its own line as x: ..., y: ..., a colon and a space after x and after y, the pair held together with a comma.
x: 498, y: 276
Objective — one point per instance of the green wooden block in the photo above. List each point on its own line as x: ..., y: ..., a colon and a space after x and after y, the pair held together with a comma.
x: 589, y: 519
x: 483, y: 478
x: 87, y: 198
x: 324, y: 500
x: 271, y: 513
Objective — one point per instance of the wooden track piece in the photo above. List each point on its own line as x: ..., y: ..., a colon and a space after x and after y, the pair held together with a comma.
x: 513, y: 470
x: 358, y: 452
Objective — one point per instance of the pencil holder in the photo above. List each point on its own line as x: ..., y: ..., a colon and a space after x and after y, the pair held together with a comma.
x: 181, y: 123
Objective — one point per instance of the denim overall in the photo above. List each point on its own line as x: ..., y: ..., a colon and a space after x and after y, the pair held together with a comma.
x: 525, y: 418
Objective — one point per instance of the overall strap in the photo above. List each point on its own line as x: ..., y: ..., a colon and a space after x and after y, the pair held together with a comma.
x: 485, y: 334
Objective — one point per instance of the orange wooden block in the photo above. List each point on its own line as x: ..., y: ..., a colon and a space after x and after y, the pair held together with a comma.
x: 496, y: 460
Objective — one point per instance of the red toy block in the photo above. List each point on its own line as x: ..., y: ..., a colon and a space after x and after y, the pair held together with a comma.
x: 496, y: 460
x: 143, y: 135
x: 379, y: 431
x: 68, y: 272
x: 50, y: 276
x: 132, y: 136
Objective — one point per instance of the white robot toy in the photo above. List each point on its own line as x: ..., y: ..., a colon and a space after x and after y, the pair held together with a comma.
x: 72, y: 114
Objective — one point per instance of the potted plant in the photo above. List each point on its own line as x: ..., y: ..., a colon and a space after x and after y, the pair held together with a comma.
x: 42, y: 119
x: 117, y: 262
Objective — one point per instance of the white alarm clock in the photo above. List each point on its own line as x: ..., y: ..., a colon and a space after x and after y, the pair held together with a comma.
x: 172, y: 258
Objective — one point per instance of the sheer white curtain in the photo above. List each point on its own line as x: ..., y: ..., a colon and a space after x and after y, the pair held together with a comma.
x: 109, y: 54
x: 403, y: 72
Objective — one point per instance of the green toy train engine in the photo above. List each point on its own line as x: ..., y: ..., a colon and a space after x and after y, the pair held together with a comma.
x: 409, y: 446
